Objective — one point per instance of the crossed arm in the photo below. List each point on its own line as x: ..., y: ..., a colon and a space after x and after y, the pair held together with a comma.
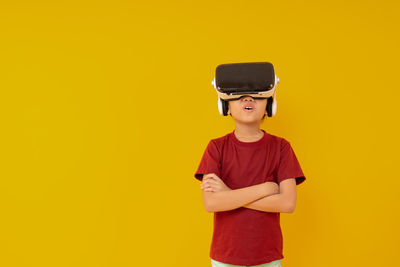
x: 267, y: 197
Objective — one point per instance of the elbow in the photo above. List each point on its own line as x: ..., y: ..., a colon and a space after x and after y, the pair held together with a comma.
x: 212, y: 206
x: 290, y: 207
x: 209, y: 205
x: 209, y: 208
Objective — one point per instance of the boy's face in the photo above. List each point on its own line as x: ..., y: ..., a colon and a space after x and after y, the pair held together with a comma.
x: 237, y: 108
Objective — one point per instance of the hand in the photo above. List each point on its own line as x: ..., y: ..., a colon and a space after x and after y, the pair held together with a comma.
x: 272, y: 188
x: 212, y: 183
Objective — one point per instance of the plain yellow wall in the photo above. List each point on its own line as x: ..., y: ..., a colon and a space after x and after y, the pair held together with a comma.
x: 107, y: 107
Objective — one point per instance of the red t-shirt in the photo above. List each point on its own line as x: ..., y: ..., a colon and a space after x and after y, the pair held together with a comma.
x: 245, y: 236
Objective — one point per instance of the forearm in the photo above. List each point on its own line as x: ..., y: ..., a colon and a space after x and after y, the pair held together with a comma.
x: 233, y: 199
x: 277, y: 202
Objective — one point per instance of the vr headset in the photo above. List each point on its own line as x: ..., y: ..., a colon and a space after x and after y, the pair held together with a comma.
x: 255, y: 79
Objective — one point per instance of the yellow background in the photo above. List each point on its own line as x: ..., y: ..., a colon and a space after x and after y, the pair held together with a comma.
x: 107, y: 107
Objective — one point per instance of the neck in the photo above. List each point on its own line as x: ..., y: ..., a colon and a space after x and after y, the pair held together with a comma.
x: 248, y: 132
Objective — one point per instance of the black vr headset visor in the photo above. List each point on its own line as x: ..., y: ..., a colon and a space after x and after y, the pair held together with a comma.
x: 256, y: 79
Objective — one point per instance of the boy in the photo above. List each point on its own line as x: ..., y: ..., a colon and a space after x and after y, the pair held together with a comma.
x: 248, y: 177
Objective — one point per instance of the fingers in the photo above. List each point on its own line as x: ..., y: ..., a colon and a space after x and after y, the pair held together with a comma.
x: 212, y: 176
x: 208, y: 187
x: 210, y: 180
x: 209, y: 183
x: 209, y: 175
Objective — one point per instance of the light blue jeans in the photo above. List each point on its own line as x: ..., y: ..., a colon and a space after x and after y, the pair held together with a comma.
x: 276, y: 263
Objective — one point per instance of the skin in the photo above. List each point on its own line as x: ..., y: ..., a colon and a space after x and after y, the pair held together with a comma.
x: 268, y: 196
x: 247, y: 124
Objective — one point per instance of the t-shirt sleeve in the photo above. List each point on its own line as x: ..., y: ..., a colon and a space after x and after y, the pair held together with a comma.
x: 210, y: 161
x: 289, y: 166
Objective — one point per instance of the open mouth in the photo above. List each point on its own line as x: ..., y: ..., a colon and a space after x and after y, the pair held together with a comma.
x: 248, y: 108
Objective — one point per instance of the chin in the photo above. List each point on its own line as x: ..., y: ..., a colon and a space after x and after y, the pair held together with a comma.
x: 249, y: 120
